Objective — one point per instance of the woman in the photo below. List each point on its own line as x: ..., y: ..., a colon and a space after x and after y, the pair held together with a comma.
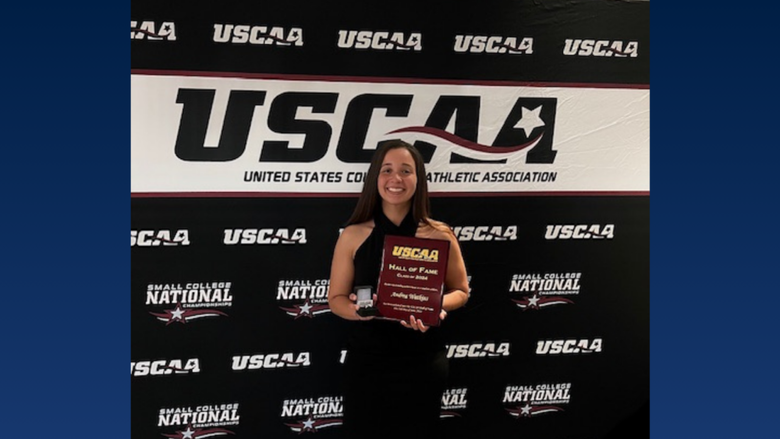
x: 395, y: 373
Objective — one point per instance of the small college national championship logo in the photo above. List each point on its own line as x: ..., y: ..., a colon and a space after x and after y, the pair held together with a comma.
x: 303, y: 297
x: 453, y: 402
x: 313, y: 414
x: 202, y: 422
x: 183, y: 303
x: 537, y: 291
x: 529, y: 401
x: 198, y: 433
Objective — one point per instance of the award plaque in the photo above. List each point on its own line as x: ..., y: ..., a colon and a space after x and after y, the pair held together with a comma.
x: 411, y: 279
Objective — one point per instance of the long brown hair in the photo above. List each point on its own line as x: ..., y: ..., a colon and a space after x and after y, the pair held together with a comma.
x: 369, y: 198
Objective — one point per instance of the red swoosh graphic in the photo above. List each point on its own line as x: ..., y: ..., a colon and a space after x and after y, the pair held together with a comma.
x: 466, y: 143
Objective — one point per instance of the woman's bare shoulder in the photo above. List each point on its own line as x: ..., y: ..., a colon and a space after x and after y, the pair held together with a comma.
x: 355, y: 234
x: 435, y: 230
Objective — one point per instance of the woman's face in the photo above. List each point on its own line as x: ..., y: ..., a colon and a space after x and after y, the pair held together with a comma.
x: 397, y: 177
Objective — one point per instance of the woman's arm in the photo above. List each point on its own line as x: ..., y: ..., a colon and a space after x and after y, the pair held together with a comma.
x: 456, y: 283
x: 342, y: 275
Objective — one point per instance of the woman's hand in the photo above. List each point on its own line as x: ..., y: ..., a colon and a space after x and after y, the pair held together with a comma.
x: 353, y: 298
x: 418, y: 325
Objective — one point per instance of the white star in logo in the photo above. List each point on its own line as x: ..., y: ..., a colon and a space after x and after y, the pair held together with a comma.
x: 530, y: 120
x: 526, y: 410
x: 533, y: 301
x: 308, y: 424
x: 306, y: 308
x: 177, y: 314
x: 187, y: 433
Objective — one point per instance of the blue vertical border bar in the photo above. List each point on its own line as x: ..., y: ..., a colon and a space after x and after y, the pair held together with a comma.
x: 65, y: 216
x: 714, y: 299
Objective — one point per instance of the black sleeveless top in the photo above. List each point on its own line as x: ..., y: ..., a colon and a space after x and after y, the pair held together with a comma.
x: 384, y: 336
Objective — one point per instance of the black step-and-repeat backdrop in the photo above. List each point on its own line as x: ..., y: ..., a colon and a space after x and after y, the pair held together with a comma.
x: 252, y: 127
